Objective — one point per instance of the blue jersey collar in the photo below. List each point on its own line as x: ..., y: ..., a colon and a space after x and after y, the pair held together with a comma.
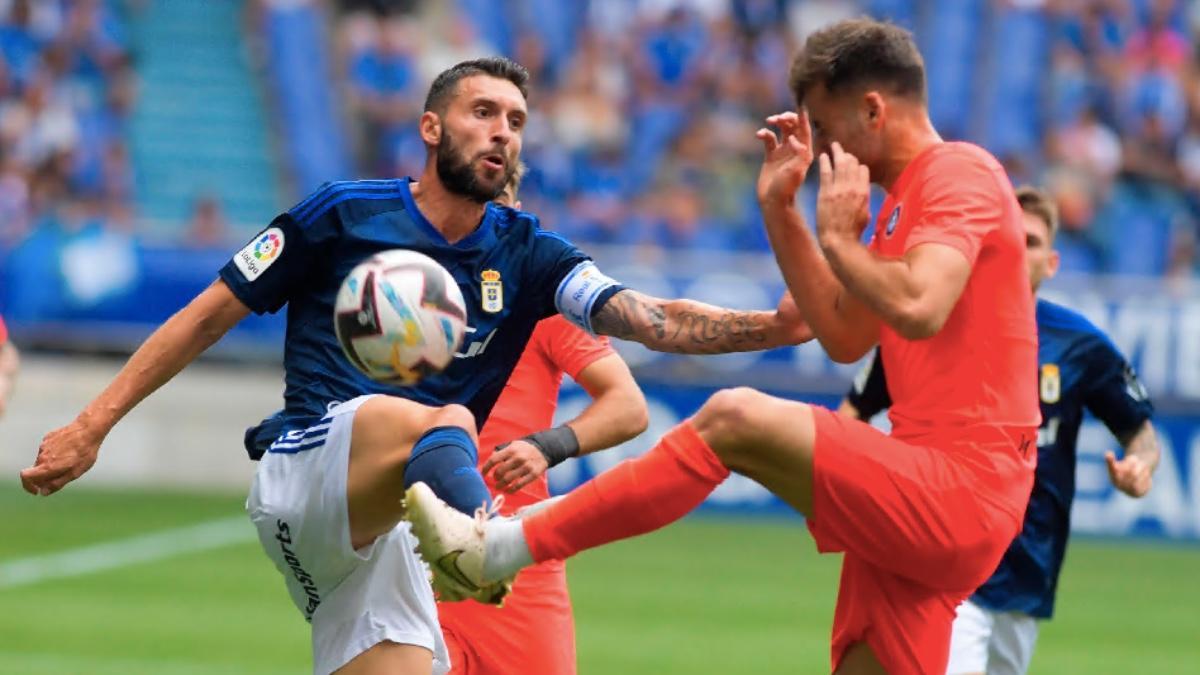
x: 472, y: 240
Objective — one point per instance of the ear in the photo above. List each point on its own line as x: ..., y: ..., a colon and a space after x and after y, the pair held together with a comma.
x: 874, y: 108
x: 1052, y: 264
x: 431, y: 128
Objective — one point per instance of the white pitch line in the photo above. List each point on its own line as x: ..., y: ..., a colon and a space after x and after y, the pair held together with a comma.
x: 124, y: 552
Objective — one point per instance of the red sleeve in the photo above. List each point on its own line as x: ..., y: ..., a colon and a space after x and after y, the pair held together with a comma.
x: 962, y: 201
x: 3, y: 331
x: 569, y: 347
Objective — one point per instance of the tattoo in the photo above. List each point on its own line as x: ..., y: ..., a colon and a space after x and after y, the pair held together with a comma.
x: 694, y: 328
x: 728, y: 328
x: 625, y: 311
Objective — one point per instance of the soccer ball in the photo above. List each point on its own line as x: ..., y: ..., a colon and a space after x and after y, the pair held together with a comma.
x: 399, y: 316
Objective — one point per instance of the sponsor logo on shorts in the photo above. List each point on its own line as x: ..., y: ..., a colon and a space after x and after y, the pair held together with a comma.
x: 259, y: 254
x: 284, y: 537
x: 448, y: 565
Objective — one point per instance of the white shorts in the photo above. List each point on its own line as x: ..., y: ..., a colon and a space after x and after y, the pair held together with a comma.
x: 354, y: 599
x: 986, y: 641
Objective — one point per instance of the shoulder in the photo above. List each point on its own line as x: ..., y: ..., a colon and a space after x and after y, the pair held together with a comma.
x: 1055, y: 321
x: 952, y: 164
x: 527, y: 227
x: 377, y: 195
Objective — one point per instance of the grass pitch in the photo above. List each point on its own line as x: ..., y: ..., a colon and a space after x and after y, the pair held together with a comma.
x: 708, y: 595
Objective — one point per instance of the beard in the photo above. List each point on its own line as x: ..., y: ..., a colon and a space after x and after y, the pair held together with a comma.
x: 457, y: 174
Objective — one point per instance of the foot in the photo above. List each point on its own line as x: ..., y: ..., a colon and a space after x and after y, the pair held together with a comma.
x: 453, y: 545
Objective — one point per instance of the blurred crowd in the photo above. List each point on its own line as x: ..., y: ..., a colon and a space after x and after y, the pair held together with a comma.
x: 67, y: 89
x: 644, y: 111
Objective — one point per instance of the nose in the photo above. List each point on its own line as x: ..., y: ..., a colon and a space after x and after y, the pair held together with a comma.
x: 501, y: 133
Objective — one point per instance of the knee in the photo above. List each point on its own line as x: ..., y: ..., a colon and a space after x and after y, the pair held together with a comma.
x: 726, y: 420
x: 455, y: 415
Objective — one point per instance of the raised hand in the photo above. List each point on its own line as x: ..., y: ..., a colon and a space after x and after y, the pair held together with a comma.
x: 785, y: 159
x: 65, y: 454
x: 1130, y: 474
x: 843, y: 201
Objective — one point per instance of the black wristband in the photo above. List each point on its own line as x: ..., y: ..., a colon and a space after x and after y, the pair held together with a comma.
x: 556, y: 445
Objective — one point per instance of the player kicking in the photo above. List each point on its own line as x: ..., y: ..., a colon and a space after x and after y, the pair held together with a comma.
x: 326, y: 498
x: 535, y: 631
x: 923, y: 515
x: 996, y: 629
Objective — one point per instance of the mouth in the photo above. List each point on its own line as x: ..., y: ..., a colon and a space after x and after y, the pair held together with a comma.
x: 494, y: 162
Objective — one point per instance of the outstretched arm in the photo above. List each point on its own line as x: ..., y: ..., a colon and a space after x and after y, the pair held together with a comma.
x: 691, y: 327
x: 67, y: 453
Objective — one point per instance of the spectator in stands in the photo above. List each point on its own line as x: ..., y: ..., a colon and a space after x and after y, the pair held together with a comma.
x: 207, y: 227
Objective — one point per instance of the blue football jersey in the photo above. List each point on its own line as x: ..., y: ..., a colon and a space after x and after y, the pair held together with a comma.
x: 301, y: 258
x: 1079, y: 368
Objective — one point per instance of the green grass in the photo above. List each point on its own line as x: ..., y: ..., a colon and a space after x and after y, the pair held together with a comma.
x: 705, y: 596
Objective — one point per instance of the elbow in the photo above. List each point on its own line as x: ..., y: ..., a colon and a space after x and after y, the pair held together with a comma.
x: 636, y: 418
x: 845, y: 351
x: 918, y: 322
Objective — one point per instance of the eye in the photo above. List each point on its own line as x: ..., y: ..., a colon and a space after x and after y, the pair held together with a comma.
x: 483, y: 111
x: 517, y: 123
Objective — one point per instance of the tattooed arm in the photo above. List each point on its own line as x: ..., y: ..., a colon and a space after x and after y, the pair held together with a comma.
x: 691, y: 327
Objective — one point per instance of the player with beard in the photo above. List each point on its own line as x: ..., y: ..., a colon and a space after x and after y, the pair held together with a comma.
x: 923, y: 515
x: 336, y: 461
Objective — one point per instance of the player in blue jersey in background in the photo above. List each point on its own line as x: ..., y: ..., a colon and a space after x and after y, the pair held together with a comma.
x: 996, y: 628
x: 335, y: 463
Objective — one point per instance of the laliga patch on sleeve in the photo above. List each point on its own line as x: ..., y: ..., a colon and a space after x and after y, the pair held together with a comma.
x: 259, y: 254
x: 578, y: 292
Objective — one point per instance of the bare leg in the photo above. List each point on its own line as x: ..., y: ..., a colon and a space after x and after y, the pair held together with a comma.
x: 765, y: 438
x: 390, y: 658
x: 385, y: 429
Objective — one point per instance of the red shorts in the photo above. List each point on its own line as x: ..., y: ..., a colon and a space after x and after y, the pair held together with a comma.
x: 922, y: 526
x: 534, y: 632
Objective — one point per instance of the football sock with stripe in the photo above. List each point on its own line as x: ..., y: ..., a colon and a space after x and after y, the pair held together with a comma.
x: 445, y: 459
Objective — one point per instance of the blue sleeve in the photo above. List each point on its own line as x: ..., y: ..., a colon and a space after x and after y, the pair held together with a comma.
x: 869, y: 393
x: 569, y: 282
x: 278, y: 262
x: 1115, y: 395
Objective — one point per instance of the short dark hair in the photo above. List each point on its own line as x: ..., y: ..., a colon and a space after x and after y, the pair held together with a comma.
x: 1037, y: 203
x: 446, y: 83
x: 859, y: 52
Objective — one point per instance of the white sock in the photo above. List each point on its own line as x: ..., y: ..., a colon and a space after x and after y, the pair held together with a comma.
x: 533, y: 508
x: 505, y: 550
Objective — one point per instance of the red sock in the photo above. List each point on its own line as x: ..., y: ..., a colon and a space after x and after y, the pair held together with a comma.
x: 635, y: 497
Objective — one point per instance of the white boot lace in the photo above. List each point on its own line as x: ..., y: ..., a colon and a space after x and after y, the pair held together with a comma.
x: 485, y: 513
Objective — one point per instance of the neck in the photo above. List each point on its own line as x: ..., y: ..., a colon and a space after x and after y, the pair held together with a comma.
x: 911, y: 139
x: 453, y: 215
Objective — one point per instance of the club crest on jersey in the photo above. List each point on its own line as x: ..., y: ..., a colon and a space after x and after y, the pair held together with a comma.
x: 891, y: 222
x: 1050, y: 384
x: 492, y: 291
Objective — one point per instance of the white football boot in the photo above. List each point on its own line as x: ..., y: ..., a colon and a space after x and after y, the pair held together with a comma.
x: 452, y: 543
